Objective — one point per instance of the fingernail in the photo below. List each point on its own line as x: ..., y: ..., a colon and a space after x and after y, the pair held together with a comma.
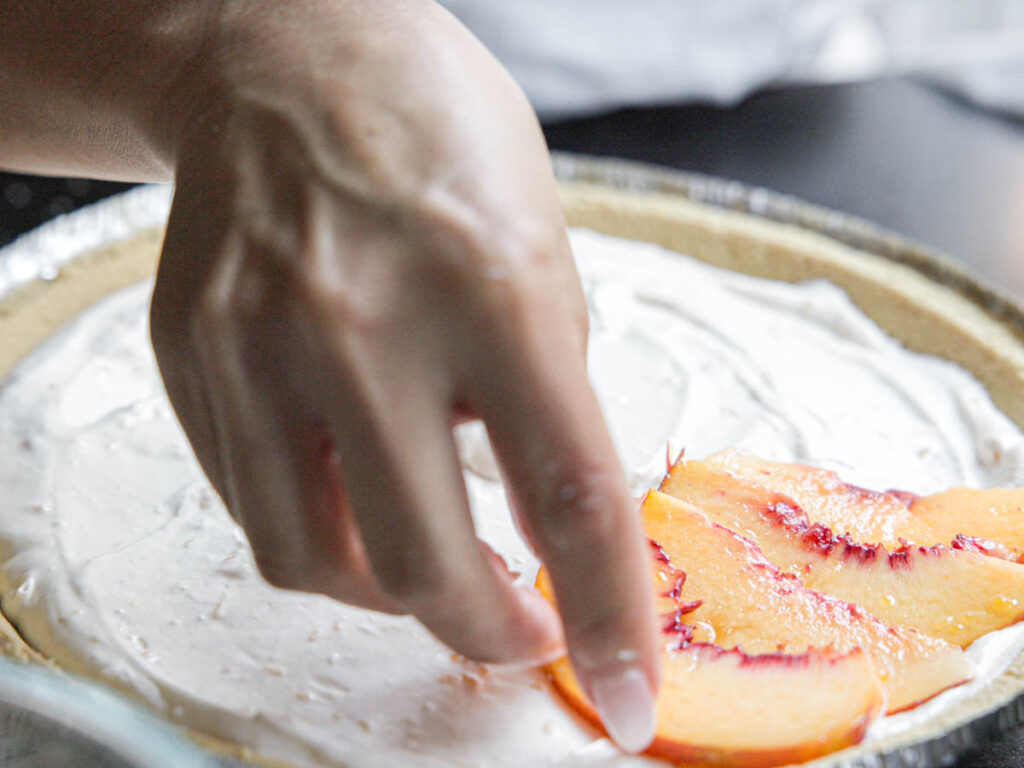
x: 626, y: 706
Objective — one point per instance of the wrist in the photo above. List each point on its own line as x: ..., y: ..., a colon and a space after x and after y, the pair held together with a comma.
x: 161, y: 102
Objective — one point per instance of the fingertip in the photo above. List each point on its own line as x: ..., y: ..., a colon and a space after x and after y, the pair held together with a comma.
x: 544, y: 638
x: 537, y: 631
x: 551, y: 636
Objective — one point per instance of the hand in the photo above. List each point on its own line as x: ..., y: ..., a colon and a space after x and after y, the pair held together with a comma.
x: 366, y: 245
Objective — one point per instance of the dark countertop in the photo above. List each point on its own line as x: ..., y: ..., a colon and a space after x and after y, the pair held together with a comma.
x: 896, y: 153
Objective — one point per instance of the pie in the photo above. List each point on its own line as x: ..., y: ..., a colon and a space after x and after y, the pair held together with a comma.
x: 119, y: 563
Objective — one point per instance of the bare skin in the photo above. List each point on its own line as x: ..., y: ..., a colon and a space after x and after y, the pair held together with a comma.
x: 365, y: 247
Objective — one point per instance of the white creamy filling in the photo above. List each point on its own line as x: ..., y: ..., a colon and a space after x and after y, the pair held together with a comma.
x: 120, y: 562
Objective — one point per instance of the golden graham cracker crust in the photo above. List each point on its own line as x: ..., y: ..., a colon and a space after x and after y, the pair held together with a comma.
x: 923, y: 313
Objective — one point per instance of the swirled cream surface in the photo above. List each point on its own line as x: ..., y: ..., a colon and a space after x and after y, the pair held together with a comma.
x: 119, y: 561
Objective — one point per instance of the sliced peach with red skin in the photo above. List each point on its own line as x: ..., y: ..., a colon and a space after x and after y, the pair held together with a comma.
x: 727, y: 708
x: 954, y: 593
x: 746, y: 601
x: 777, y: 709
x: 714, y: 587
x: 993, y: 514
x: 988, y: 521
x: 875, y: 517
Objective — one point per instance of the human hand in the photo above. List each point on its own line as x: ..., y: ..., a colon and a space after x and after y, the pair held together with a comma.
x: 365, y: 246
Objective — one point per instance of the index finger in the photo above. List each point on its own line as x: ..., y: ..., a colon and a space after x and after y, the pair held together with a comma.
x: 567, y: 483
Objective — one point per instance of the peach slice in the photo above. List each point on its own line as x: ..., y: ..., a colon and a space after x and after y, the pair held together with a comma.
x: 994, y: 514
x: 954, y: 593
x: 732, y: 597
x: 875, y: 517
x: 747, y: 602
x: 728, y: 708
x: 990, y: 521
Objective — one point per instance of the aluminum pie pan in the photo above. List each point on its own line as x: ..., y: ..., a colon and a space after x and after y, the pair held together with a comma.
x: 43, y: 254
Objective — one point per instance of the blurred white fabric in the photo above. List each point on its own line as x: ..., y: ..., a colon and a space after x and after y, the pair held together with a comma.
x: 577, y: 56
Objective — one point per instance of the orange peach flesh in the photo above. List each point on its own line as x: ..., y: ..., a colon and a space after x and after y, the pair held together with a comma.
x: 747, y: 602
x: 874, y: 517
x: 731, y: 596
x: 979, y: 594
x: 726, y: 708
x: 995, y: 514
x: 994, y: 518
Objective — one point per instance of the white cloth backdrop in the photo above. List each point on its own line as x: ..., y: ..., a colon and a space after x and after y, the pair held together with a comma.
x: 576, y: 56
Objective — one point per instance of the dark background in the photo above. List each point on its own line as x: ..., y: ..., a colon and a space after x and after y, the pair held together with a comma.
x: 897, y: 153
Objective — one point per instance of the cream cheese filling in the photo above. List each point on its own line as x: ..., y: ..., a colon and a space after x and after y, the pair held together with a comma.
x: 118, y: 560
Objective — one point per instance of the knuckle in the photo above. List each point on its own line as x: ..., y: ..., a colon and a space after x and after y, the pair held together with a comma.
x: 574, y: 510
x: 506, y: 262
x: 319, y: 294
x: 600, y: 642
x: 359, y: 303
x: 594, y: 631
x: 515, y: 286
x: 521, y: 263
x: 508, y: 296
